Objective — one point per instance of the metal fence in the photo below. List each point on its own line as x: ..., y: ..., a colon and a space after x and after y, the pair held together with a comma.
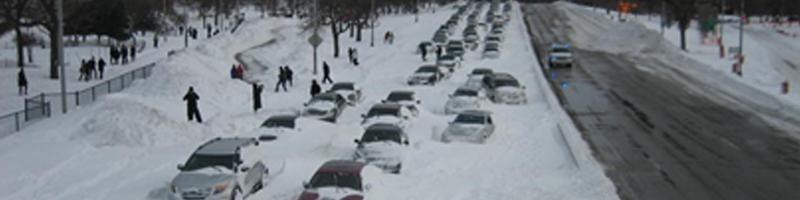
x: 41, y: 106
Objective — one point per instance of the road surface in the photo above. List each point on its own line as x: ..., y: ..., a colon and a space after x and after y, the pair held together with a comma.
x: 657, y: 139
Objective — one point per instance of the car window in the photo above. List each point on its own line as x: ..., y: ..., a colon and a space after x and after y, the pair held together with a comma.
x: 279, y: 123
x: 381, y: 135
x: 560, y: 50
x: 469, y: 119
x: 343, y: 87
x: 198, y: 161
x: 336, y: 179
x: 489, y: 119
x: 506, y: 82
x: 466, y: 93
x: 428, y: 69
x: 382, y: 111
x: 400, y: 96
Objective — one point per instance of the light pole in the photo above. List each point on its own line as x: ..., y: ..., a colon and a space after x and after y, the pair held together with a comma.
x: 372, y: 24
x: 741, y: 28
x: 60, y: 46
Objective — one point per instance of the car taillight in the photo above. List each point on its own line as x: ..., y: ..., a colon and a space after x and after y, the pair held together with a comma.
x: 353, y: 197
x: 308, y: 196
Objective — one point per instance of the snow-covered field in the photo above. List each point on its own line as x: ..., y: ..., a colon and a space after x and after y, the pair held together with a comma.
x: 127, y: 145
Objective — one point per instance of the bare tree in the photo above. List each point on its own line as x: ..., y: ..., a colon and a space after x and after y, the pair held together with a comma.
x: 16, y: 14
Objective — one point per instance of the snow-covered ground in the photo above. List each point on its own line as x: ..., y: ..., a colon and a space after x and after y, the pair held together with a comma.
x: 127, y: 145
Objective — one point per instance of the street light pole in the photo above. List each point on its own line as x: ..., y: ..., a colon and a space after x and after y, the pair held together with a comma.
x: 741, y: 27
x: 372, y: 24
x: 60, y: 47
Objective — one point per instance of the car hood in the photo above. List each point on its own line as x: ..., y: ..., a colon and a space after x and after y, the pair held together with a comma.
x: 509, y: 90
x: 423, y: 75
x: 202, y: 178
x: 321, y: 106
x: 462, y: 100
x: 561, y: 54
x: 380, y: 151
x: 384, y: 119
x: 335, y: 193
x: 464, y: 129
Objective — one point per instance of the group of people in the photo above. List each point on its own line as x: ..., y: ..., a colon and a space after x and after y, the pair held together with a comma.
x: 121, y: 53
x: 352, y: 54
x: 91, y: 69
x: 285, y: 74
x: 237, y: 71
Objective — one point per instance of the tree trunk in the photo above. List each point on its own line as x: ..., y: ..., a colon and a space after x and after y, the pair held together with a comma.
x: 358, y: 35
x: 335, y: 33
x: 20, y: 50
x: 352, y: 32
x: 53, y: 54
x: 683, y: 39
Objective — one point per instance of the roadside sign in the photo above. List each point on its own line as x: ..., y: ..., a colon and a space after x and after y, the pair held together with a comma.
x: 315, y: 40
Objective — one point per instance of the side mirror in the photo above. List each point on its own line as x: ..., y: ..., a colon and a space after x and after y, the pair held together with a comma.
x: 306, y: 185
x: 305, y: 104
x: 180, y: 167
x: 267, y: 138
x: 244, y: 168
x: 405, y: 142
x: 523, y: 87
x: 383, y: 101
x: 419, y: 101
x: 405, y: 117
x: 367, y: 187
x: 357, y: 141
x: 363, y: 115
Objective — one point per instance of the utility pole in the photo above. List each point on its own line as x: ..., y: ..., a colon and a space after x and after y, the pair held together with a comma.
x: 741, y: 27
x: 720, y: 21
x: 372, y: 24
x: 60, y: 46
x: 663, y: 15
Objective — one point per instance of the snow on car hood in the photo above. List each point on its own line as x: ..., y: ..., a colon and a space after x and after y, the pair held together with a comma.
x: 390, y: 151
x: 202, y: 178
x: 464, y: 129
x: 462, y: 101
x: 384, y: 119
x: 321, y: 105
x: 561, y: 55
x: 329, y: 193
x: 509, y: 90
x: 423, y: 74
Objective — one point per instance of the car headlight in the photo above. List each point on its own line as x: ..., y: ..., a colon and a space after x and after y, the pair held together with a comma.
x: 220, y: 187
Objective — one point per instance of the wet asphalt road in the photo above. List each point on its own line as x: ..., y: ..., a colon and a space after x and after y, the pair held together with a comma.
x: 659, y: 141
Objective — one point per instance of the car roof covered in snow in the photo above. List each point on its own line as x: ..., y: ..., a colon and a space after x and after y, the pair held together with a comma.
x: 347, y: 166
x: 224, y: 146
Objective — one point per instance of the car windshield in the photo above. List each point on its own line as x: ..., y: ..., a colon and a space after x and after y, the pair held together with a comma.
x: 336, y: 179
x: 279, y: 123
x: 198, y: 161
x: 465, y: 93
x: 342, y: 86
x: 382, y: 111
x: 429, y: 69
x: 506, y: 82
x: 492, y: 45
x: 469, y: 119
x: 560, y: 50
x: 322, y: 98
x: 447, y: 57
x: 400, y: 96
x: 493, y: 39
x: 481, y: 71
x: 381, y: 135
x: 455, y: 49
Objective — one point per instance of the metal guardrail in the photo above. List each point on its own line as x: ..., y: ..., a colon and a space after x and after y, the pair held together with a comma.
x: 40, y: 107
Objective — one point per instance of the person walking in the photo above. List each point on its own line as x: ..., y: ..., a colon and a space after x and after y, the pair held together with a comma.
x: 257, y: 89
x: 350, y: 54
x: 155, y: 41
x: 326, y: 73
x: 124, y: 54
x: 355, y: 57
x: 22, y: 82
x: 133, y: 52
x: 438, y: 52
x: 289, y: 76
x: 101, y: 66
x: 424, y: 52
x: 192, y: 111
x: 112, y: 54
x: 281, y: 79
x: 315, y: 89
x: 233, y: 72
x: 93, y: 68
x: 83, y: 68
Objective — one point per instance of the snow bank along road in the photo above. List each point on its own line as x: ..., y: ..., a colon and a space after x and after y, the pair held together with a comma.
x: 659, y: 135
x: 127, y: 145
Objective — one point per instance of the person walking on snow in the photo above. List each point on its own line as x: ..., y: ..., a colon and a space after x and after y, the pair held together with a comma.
x: 438, y: 52
x: 350, y: 55
x: 83, y: 71
x: 92, y: 68
x: 281, y: 79
x: 192, y: 111
x: 326, y: 73
x: 124, y: 53
x: 133, y: 52
x: 315, y: 89
x: 22, y: 82
x: 257, y: 89
x: 355, y: 57
x: 289, y: 76
x: 101, y: 66
x: 233, y: 71
x: 424, y: 52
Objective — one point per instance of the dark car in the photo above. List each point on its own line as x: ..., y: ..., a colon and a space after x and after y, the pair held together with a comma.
x: 426, y: 75
x: 280, y: 121
x: 326, y: 106
x: 341, y: 180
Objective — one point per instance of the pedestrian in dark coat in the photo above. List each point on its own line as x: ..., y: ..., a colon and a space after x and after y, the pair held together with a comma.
x: 192, y: 111
x: 155, y: 41
x: 92, y: 68
x: 233, y: 72
x: 112, y: 54
x: 315, y: 89
x: 124, y: 54
x: 289, y: 75
x: 101, y: 66
x: 257, y: 89
x: 281, y: 79
x: 326, y: 73
x: 424, y: 52
x: 133, y: 52
x: 83, y: 68
x: 350, y: 55
x: 22, y: 82
x: 355, y: 57
x: 438, y: 52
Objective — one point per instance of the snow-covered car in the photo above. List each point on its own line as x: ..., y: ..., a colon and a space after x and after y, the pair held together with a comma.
x: 498, y: 33
x: 494, y: 39
x: 449, y: 61
x: 480, y: 72
x: 429, y: 46
x: 440, y: 38
x: 474, y: 126
x: 390, y: 113
x: 223, y: 168
x: 491, y: 52
x: 341, y: 180
x: 280, y: 123
x: 382, y: 145
x: 474, y: 82
x: 472, y: 39
x: 464, y: 98
x: 427, y: 75
x: 560, y: 55
x: 349, y: 90
x: 504, y: 88
x: 456, y: 51
x: 406, y: 98
x: 326, y: 106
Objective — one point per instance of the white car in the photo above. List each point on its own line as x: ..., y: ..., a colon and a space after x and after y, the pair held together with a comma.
x: 391, y: 113
x: 342, y: 180
x: 474, y: 81
x: 449, y: 61
x: 474, y: 126
x: 349, y: 90
x: 223, y: 168
x: 406, y: 98
x: 504, y: 88
x: 560, y: 55
x: 382, y: 145
x: 464, y: 98
x: 491, y: 52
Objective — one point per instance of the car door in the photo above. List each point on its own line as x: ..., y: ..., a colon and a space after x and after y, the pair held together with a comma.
x: 253, y: 175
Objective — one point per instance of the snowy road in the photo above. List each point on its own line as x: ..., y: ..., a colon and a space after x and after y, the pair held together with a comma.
x: 662, y: 138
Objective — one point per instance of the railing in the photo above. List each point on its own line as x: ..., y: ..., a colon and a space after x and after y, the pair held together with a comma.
x: 41, y: 106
